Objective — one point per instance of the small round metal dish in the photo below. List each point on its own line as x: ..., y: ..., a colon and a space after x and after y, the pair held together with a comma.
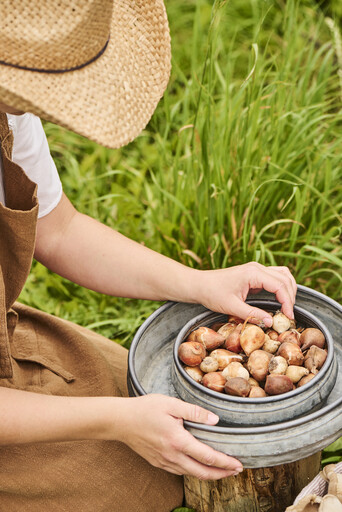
x: 257, y: 411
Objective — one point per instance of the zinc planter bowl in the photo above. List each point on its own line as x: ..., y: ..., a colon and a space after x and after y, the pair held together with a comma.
x: 150, y: 365
x: 257, y: 411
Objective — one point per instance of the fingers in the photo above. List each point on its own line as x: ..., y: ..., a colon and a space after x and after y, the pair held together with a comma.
x: 201, y: 471
x: 255, y: 315
x: 205, y: 458
x: 288, y: 274
x: 199, y: 459
x: 166, y: 444
x: 192, y: 457
x: 186, y: 465
x: 194, y: 413
x: 277, y: 280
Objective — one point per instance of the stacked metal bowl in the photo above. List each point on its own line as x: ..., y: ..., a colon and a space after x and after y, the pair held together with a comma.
x: 259, y: 432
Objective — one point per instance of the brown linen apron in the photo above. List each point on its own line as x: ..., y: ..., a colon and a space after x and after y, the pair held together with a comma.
x: 44, y: 354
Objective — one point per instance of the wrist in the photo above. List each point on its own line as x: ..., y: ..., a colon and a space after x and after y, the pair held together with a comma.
x: 187, y: 286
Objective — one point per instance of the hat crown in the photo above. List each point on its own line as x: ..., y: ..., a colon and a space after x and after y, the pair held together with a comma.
x: 53, y: 34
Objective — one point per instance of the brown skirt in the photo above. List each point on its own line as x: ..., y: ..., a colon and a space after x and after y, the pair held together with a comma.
x: 53, y: 356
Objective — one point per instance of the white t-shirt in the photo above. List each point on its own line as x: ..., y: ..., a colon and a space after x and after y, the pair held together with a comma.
x: 31, y: 152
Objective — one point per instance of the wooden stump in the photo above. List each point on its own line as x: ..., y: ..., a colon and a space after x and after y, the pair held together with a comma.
x: 254, y: 490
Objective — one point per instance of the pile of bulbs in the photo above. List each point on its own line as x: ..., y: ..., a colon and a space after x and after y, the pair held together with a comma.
x: 247, y: 360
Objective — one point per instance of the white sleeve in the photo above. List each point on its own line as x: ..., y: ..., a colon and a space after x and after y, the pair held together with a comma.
x: 31, y: 152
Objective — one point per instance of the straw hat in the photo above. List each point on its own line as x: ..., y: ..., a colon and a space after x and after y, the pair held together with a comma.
x: 96, y: 67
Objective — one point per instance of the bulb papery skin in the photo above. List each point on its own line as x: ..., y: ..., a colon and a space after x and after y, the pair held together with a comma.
x: 214, y: 381
x: 270, y: 345
x: 281, y: 323
x: 210, y: 338
x: 312, y: 336
x: 291, y: 335
x: 194, y: 372
x: 295, y: 373
x: 278, y: 384
x: 314, y: 359
x: 291, y: 352
x: 224, y: 357
x: 232, y: 341
x: 257, y: 392
x: 252, y: 338
x: 237, y: 386
x: 258, y: 364
x: 226, y: 329
x: 278, y: 365
x: 209, y: 364
x: 305, y: 380
x: 191, y: 353
x: 235, y: 369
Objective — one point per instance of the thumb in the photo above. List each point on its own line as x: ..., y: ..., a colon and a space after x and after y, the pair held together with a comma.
x: 195, y: 413
x: 243, y: 310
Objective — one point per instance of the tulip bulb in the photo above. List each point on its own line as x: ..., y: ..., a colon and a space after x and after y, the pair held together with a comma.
x: 214, y: 381
x: 191, y: 353
x: 271, y: 345
x: 291, y: 352
x: 312, y: 336
x: 237, y: 386
x: 278, y: 384
x: 306, y: 379
x: 295, y: 373
x: 224, y: 357
x: 233, y: 339
x: 252, y: 338
x: 257, y: 392
x: 258, y: 364
x: 194, y: 372
x: 281, y: 323
x: 314, y: 359
x: 210, y: 338
x: 235, y: 369
x: 209, y: 364
x: 278, y: 365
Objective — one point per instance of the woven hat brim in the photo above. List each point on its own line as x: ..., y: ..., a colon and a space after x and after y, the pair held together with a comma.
x: 111, y: 100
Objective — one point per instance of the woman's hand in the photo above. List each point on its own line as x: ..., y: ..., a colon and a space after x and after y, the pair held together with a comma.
x: 226, y: 290
x: 153, y: 427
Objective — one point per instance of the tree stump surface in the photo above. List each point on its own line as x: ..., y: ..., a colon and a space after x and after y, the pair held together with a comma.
x: 254, y: 490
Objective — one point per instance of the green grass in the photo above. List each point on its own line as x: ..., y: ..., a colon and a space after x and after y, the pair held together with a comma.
x: 241, y: 160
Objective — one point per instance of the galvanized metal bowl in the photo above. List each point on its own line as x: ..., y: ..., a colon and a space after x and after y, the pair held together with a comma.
x: 257, y: 411
x: 149, y: 371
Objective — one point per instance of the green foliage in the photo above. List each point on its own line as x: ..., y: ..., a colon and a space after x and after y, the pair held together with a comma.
x: 184, y: 509
x: 333, y: 453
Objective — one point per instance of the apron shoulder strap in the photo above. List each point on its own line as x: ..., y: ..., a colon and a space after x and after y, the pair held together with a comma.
x: 6, y: 135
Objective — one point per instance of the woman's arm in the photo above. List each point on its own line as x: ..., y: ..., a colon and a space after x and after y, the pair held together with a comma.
x: 97, y: 257
x: 151, y: 425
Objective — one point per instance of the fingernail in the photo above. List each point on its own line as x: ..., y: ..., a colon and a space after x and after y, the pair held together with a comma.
x: 238, y: 470
x: 267, y: 321
x: 213, y: 417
